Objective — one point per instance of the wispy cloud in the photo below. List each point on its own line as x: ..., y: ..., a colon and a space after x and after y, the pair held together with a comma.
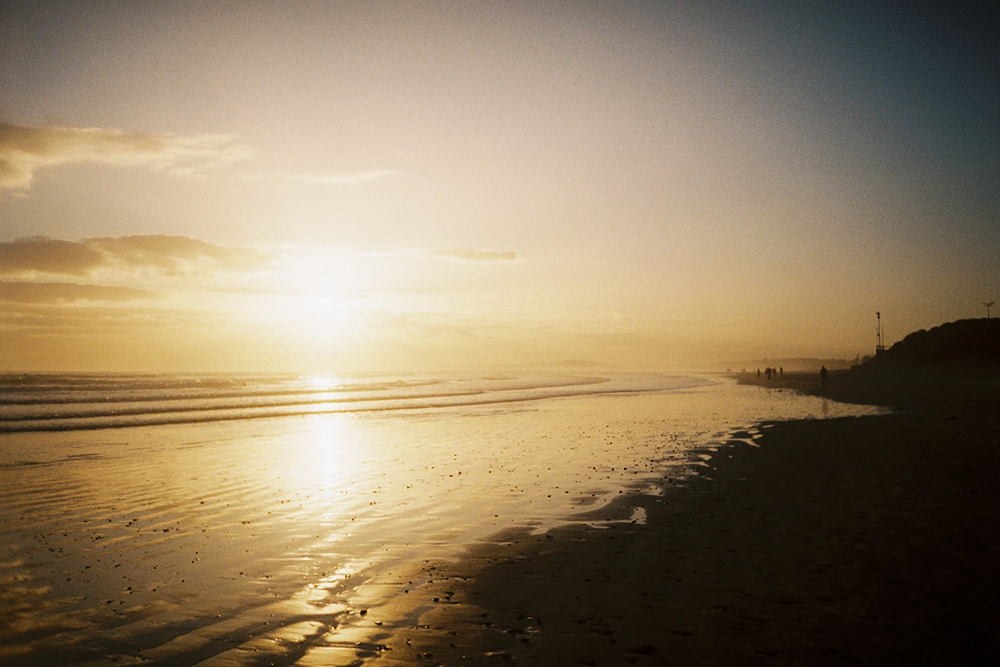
x: 170, y: 254
x: 40, y: 254
x: 173, y: 253
x: 474, y: 255
x: 25, y: 149
x: 34, y: 271
x: 340, y: 180
x: 56, y: 293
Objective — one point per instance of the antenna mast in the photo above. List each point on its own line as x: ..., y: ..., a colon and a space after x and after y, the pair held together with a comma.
x: 988, y: 304
x: 879, y: 346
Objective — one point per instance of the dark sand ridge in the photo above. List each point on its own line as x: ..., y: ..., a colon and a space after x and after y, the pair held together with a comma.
x: 865, y: 540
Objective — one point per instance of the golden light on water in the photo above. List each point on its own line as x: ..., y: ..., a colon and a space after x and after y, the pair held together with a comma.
x: 323, y: 381
x: 330, y: 457
x: 304, y: 194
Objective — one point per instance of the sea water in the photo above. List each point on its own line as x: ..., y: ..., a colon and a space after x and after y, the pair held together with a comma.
x: 176, y: 518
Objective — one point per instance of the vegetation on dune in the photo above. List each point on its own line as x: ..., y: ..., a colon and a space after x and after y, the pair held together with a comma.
x: 959, y: 342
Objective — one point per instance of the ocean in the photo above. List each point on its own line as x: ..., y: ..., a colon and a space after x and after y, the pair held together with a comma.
x: 243, y: 519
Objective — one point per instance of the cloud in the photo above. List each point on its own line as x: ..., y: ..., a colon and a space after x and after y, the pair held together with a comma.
x: 171, y: 254
x: 45, y: 255
x: 58, y: 293
x: 472, y: 255
x: 340, y: 180
x: 25, y: 149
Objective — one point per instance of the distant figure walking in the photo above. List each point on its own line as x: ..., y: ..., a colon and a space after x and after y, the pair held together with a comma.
x: 822, y: 377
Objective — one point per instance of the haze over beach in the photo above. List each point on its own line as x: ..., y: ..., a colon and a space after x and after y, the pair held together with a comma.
x: 338, y: 333
x: 233, y: 186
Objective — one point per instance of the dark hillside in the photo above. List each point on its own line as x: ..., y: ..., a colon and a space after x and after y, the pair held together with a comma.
x: 959, y: 342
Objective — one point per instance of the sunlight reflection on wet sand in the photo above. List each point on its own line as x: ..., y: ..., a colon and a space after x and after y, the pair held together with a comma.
x: 195, y: 541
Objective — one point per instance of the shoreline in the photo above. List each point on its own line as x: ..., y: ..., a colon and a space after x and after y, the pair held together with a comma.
x: 865, y: 540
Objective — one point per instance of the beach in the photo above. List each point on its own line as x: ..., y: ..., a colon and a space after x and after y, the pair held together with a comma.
x: 662, y: 521
x: 379, y: 334
x: 862, y: 540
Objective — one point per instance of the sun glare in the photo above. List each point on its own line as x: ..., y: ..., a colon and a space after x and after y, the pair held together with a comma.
x: 312, y: 297
x: 319, y: 381
x: 310, y: 316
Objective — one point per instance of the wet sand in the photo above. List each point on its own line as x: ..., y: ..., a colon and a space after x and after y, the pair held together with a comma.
x: 864, y: 540
x: 321, y: 539
x: 342, y: 541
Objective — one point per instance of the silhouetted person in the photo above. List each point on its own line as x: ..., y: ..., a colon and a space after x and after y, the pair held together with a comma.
x: 822, y: 377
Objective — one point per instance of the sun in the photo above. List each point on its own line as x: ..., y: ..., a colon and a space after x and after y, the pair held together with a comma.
x: 312, y: 297
x: 312, y: 315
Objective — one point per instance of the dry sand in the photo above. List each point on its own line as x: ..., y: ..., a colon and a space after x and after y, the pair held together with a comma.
x: 867, y: 540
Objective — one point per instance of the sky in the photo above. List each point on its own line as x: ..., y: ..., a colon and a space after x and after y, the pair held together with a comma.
x: 393, y: 186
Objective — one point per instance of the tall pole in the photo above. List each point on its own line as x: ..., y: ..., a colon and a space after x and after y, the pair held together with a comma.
x: 879, y: 347
x: 988, y: 304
